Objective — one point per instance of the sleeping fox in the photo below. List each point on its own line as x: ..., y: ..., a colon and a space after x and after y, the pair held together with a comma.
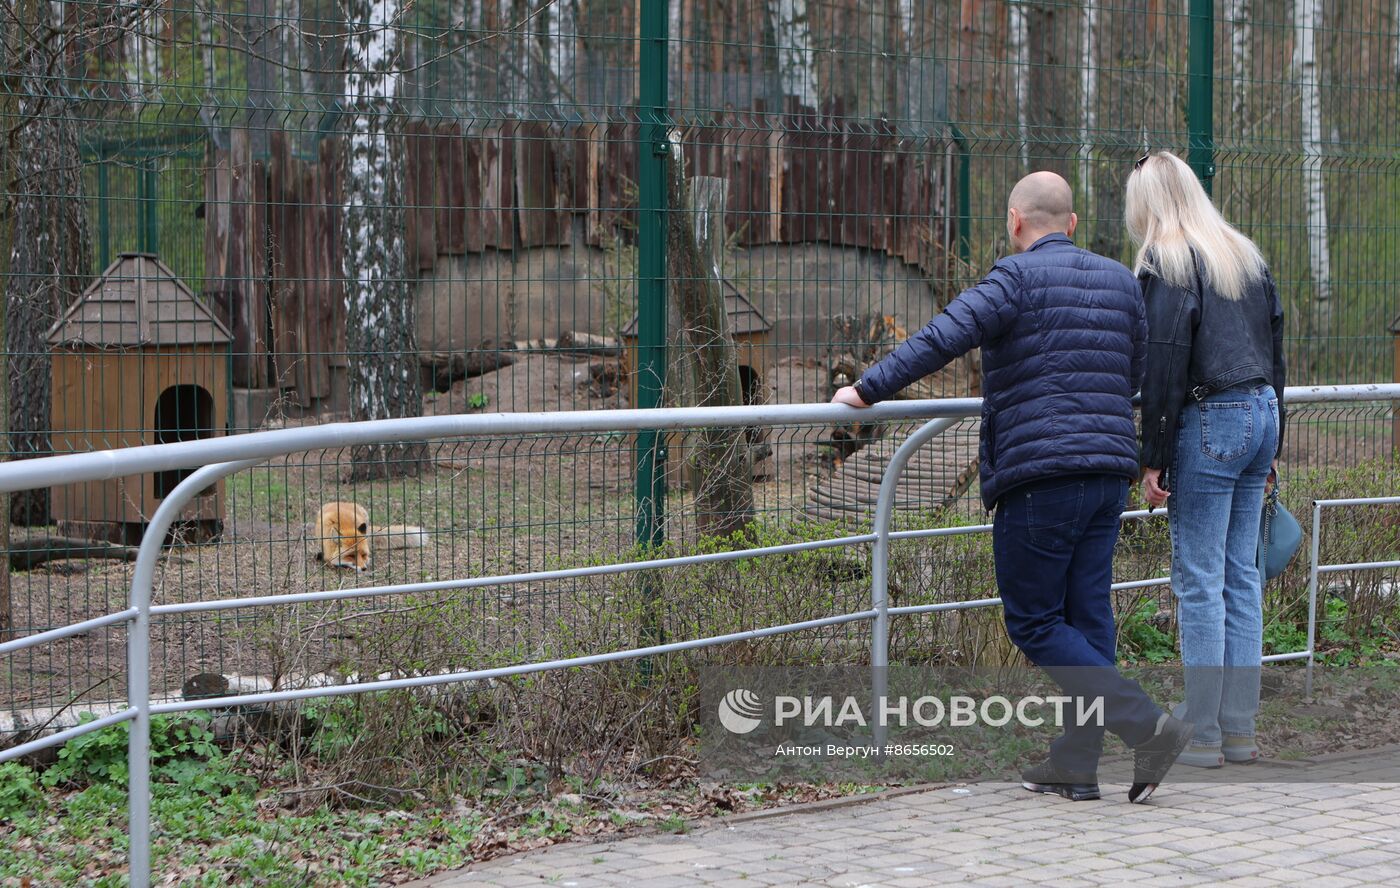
x: 344, y: 532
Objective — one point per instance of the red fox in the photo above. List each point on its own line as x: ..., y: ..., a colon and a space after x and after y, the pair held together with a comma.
x: 344, y: 532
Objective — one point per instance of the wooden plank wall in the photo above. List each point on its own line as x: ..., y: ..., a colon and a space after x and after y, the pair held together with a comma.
x: 806, y: 176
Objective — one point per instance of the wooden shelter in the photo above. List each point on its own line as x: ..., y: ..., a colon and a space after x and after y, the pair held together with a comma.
x: 749, y: 330
x: 137, y: 360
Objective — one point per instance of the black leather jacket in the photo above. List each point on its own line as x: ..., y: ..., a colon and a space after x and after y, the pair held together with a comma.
x: 1199, y: 342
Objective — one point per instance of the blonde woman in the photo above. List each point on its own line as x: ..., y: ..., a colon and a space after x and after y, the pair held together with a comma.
x: 1212, y: 428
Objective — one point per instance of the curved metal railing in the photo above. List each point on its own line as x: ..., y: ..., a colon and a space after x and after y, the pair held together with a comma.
x: 218, y: 457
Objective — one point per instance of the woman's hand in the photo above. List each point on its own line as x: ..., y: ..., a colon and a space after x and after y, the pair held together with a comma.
x: 1272, y: 479
x: 1152, y: 489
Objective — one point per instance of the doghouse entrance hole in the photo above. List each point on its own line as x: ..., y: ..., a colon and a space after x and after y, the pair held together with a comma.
x: 748, y: 383
x: 183, y: 413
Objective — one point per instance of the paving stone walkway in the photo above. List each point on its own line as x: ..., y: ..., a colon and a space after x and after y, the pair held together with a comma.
x: 1326, y: 824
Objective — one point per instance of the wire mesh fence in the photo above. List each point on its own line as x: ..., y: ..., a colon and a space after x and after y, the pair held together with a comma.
x: 268, y: 212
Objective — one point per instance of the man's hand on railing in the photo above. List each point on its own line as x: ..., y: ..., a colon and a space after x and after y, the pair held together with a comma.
x: 848, y: 395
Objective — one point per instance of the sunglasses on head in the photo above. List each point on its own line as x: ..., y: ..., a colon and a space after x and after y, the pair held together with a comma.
x: 1137, y: 165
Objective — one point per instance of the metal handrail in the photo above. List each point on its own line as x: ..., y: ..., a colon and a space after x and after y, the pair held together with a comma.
x: 1316, y: 569
x: 219, y: 457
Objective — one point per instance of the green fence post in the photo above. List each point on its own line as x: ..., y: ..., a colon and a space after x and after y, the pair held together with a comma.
x: 1200, y: 98
x: 964, y: 199
x: 652, y: 149
x: 104, y: 219
x: 150, y: 234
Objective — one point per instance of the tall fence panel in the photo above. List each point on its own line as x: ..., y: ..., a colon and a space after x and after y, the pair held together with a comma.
x: 386, y: 208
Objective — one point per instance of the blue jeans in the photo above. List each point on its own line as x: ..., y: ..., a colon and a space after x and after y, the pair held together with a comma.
x: 1053, y: 542
x: 1225, y: 446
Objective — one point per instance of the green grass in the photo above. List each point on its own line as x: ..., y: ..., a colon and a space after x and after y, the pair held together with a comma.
x: 233, y: 839
x: 266, y: 495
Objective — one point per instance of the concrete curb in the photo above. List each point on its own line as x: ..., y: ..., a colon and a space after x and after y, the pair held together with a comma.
x: 605, y: 843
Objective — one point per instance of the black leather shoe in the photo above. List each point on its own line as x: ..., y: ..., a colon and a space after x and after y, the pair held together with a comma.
x: 1047, y: 778
x: 1153, y: 759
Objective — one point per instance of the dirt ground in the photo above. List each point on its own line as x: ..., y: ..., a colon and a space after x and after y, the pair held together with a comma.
x: 489, y: 506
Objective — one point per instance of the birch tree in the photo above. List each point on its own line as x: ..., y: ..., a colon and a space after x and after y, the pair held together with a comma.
x: 1305, y: 17
x: 904, y: 77
x: 1239, y: 15
x: 1088, y: 99
x: 518, y: 86
x: 556, y: 28
x: 207, y: 59
x: 140, y: 48
x: 1020, y: 71
x: 792, y: 36
x: 560, y: 52
x: 378, y: 308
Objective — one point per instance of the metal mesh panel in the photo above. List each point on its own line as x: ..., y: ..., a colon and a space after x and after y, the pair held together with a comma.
x: 495, y: 171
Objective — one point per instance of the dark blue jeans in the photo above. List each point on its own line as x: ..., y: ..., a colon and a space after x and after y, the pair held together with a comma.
x: 1053, y: 542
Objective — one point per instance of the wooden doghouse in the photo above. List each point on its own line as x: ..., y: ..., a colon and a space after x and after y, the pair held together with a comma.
x: 137, y: 360
x: 749, y: 330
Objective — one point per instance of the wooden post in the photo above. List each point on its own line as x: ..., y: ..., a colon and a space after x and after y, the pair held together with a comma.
x: 723, y: 466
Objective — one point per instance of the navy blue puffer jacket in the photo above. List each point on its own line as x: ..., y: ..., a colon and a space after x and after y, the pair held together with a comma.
x: 1063, y: 334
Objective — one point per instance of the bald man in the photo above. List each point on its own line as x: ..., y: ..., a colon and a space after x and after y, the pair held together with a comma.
x: 1063, y: 334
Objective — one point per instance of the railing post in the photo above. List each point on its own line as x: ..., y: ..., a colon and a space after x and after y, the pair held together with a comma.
x: 880, y: 575
x: 1312, y: 594
x: 1200, y: 96
x: 138, y: 749
x: 138, y: 695
x: 138, y: 664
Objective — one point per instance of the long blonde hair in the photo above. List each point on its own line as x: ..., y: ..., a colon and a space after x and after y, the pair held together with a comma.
x: 1170, y: 216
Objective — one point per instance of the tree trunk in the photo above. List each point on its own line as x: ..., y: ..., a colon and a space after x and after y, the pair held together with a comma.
x: 1239, y: 14
x: 49, y: 260
x: 1020, y: 73
x: 141, y: 51
x: 11, y: 64
x: 1128, y: 43
x: 261, y: 41
x: 208, y: 58
x: 722, y: 463
x: 379, y: 331
x: 1305, y: 17
x: 560, y: 29
x: 520, y: 87
x: 1052, y: 90
x: 1088, y: 101
x: 792, y: 35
